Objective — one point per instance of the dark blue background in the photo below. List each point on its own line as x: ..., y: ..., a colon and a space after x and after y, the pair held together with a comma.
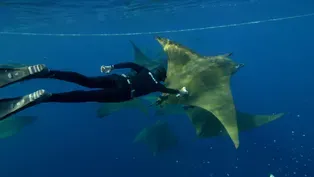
x: 68, y: 139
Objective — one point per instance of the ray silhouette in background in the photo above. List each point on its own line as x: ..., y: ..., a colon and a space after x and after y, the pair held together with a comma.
x: 157, y: 137
x: 14, y: 124
x: 106, y: 109
x: 207, y: 125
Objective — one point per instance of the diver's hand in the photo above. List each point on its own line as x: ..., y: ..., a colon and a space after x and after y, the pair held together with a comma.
x: 157, y: 102
x: 106, y: 69
x: 183, y: 92
x: 160, y: 100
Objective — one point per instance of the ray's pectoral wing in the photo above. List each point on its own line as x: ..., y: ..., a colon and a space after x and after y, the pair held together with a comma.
x: 205, y: 123
x: 141, y: 136
x: 177, y: 77
x: 173, y: 72
x: 178, y: 61
x: 217, y: 98
x: 141, y: 59
x: 139, y: 56
x: 248, y: 121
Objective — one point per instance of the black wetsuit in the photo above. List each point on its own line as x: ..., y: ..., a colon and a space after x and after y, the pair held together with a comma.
x: 111, y: 88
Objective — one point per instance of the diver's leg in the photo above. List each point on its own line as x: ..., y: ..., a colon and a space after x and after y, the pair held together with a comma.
x: 91, y: 82
x: 105, y: 95
x: 10, y: 106
x: 11, y: 75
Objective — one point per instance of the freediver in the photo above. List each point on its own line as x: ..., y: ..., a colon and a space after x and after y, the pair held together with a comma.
x: 110, y: 88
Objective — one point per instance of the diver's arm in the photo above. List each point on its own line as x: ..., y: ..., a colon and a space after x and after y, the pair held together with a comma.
x: 181, y: 92
x: 164, y: 89
x: 166, y: 92
x: 131, y: 65
x: 161, y: 98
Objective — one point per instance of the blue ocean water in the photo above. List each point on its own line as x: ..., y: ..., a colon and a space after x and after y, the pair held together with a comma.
x: 69, y: 140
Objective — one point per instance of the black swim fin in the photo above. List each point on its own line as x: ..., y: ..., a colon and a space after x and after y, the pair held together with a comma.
x: 10, y: 106
x: 12, y: 75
